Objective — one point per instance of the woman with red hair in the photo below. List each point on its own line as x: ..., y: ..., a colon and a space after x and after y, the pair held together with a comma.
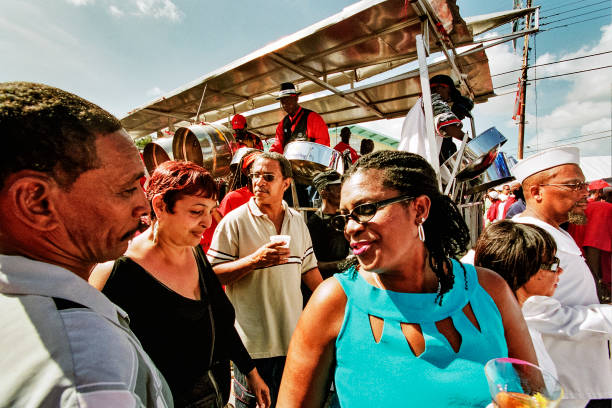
x: 175, y: 302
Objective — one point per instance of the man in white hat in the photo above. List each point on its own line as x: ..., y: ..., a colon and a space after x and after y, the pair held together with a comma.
x: 555, y: 192
x: 299, y: 123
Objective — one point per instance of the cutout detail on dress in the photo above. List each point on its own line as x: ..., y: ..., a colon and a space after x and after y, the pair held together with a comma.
x: 376, y: 324
x: 414, y: 337
x: 469, y: 313
x: 448, y: 330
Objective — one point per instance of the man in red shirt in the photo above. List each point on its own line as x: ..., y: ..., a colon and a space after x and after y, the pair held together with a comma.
x: 344, y: 147
x: 299, y: 124
x: 243, y: 137
x: 595, y: 241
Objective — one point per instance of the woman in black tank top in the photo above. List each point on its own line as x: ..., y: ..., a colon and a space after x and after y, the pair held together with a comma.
x: 175, y: 302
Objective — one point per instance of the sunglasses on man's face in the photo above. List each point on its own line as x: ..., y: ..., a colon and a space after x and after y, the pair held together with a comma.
x: 581, y: 185
x: 268, y: 177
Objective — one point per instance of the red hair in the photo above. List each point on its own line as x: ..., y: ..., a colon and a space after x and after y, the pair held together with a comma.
x: 176, y: 179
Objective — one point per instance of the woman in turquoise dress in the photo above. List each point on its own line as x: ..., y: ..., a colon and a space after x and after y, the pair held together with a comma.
x: 409, y: 325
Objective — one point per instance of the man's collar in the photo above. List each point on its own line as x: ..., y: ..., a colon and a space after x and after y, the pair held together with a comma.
x: 254, y: 209
x: 24, y: 276
x: 296, y: 112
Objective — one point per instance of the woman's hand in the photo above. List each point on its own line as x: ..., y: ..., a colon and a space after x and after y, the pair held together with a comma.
x: 259, y: 388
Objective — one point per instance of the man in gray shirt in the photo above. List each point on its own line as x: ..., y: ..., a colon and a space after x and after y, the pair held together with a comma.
x: 70, y: 198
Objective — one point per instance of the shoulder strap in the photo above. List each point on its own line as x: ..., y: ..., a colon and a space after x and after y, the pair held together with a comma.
x: 202, y: 263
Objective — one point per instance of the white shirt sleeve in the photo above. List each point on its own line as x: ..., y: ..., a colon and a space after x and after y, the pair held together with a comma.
x: 549, y: 316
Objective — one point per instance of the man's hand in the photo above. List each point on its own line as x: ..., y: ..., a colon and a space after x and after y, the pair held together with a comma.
x: 270, y: 254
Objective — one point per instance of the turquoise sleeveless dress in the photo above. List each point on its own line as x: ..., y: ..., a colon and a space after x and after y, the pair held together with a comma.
x: 387, y: 374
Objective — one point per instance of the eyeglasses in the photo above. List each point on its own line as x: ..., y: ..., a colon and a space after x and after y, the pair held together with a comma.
x: 581, y: 185
x: 553, y: 266
x: 266, y: 176
x: 364, y: 212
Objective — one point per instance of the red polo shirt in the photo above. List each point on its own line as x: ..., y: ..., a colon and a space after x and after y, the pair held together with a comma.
x: 342, y: 147
x: 315, y: 129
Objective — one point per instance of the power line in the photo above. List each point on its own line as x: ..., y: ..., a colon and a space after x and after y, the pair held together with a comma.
x: 555, y: 62
x: 574, y: 16
x: 571, y: 144
x: 579, y: 136
x: 575, y: 9
x: 558, y: 75
x: 567, y: 4
x: 573, y: 23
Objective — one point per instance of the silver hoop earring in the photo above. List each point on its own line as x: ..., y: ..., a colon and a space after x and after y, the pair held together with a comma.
x: 155, y: 230
x: 421, y: 230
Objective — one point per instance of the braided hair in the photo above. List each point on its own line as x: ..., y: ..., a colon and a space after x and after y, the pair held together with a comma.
x: 446, y: 234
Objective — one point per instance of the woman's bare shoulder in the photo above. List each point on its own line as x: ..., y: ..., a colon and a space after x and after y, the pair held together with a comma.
x: 100, y: 274
x: 328, y: 294
x: 326, y: 304
x: 494, y: 284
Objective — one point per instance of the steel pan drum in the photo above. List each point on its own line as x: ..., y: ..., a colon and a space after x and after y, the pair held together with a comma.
x: 497, y: 173
x: 479, y: 153
x: 239, y: 154
x: 308, y: 158
x: 157, y: 152
x: 208, y: 145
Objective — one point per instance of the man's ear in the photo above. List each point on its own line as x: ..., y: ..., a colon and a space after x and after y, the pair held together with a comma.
x: 30, y: 199
x: 535, y: 192
x: 286, y: 183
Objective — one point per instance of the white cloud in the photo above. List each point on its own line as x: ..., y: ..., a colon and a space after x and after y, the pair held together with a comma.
x: 159, y: 9
x: 80, y: 2
x: 583, y: 116
x: 593, y: 81
x: 155, y: 91
x: 115, y: 11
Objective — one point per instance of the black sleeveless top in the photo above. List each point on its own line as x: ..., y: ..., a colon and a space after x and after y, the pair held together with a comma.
x: 176, y: 331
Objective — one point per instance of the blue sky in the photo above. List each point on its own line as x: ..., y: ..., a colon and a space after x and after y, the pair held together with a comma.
x: 121, y: 54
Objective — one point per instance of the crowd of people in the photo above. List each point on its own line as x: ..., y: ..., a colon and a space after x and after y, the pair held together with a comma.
x: 365, y: 302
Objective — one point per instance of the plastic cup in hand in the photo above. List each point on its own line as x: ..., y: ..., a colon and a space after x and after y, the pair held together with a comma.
x: 516, y: 383
x: 281, y: 238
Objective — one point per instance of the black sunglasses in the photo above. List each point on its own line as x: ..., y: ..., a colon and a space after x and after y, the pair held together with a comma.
x: 266, y: 176
x: 364, y: 212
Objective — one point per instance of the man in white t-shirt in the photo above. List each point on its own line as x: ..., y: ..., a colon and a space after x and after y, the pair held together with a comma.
x: 555, y: 192
x: 262, y: 277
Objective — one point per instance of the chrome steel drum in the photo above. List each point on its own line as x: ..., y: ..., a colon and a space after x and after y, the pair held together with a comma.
x: 240, y: 153
x: 157, y: 152
x: 479, y: 154
x: 208, y: 145
x: 496, y: 174
x: 308, y: 158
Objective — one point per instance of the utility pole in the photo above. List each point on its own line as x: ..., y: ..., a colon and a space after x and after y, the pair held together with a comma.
x: 523, y: 87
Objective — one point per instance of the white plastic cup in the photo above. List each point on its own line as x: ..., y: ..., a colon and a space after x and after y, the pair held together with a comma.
x: 281, y: 238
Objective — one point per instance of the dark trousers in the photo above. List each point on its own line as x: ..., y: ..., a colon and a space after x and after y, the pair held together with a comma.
x: 270, y: 370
